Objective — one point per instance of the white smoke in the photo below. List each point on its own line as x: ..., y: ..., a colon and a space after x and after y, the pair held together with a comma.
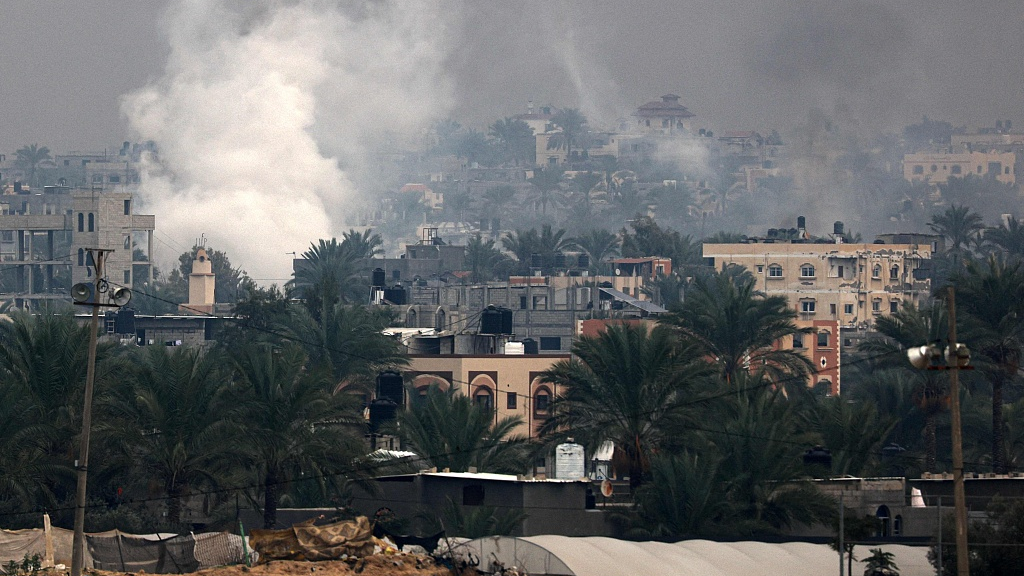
x: 268, y: 110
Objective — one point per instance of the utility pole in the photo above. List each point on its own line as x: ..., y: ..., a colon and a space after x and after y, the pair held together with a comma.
x: 959, y: 500
x: 85, y: 295
x: 78, y: 543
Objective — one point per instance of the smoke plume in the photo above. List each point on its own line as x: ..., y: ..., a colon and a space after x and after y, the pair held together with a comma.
x: 266, y: 112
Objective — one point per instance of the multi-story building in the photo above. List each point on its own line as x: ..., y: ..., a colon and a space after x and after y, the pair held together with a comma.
x: 937, y: 168
x: 833, y: 285
x: 44, y: 237
x: 665, y: 117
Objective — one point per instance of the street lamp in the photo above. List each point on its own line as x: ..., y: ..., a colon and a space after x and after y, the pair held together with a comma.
x: 98, y: 294
x: 954, y: 357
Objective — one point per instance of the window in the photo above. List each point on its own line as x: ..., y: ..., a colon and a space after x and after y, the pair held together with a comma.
x: 897, y: 525
x: 807, y: 271
x: 956, y: 169
x: 894, y: 273
x: 127, y: 277
x: 127, y: 205
x: 92, y: 221
x: 876, y: 271
x: 775, y: 271
x: 81, y: 222
x: 823, y: 339
x: 81, y: 257
x: 511, y: 400
x: 114, y: 179
x: 894, y: 306
x: 760, y: 268
x: 807, y: 306
x: 832, y: 309
x: 847, y: 308
x: 841, y: 275
x: 522, y: 302
x: 918, y: 169
x: 484, y: 399
x: 550, y: 343
x: 798, y: 340
x: 541, y: 403
x: 876, y: 305
x: 934, y: 168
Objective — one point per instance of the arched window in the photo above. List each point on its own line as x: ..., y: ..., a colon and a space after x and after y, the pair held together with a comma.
x: 894, y: 272
x: 807, y: 271
x: 542, y: 402
x: 484, y: 398
x: 81, y: 255
x: 876, y: 271
x: 410, y: 318
x: 440, y: 320
x: 92, y: 222
x: 897, y: 525
x: 884, y: 521
x: 775, y: 271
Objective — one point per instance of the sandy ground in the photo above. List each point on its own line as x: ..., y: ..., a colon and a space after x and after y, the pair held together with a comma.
x: 379, y: 565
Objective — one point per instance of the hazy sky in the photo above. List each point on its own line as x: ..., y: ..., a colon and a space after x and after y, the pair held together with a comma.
x: 736, y: 63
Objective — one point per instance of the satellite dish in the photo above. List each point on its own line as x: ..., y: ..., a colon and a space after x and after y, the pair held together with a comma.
x: 81, y: 292
x: 120, y: 297
x: 606, y: 488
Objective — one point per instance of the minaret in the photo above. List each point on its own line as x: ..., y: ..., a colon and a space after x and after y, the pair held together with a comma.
x: 201, y: 286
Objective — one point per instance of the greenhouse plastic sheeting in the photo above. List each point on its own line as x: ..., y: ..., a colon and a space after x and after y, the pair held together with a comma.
x: 594, y: 556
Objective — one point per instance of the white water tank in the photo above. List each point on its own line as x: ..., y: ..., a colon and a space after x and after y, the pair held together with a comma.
x: 570, y: 463
x: 514, y: 349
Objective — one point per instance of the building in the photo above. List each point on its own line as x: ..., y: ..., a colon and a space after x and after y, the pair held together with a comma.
x: 937, y: 168
x: 665, y: 117
x: 426, y: 195
x: 832, y: 285
x: 508, y: 383
x: 44, y: 236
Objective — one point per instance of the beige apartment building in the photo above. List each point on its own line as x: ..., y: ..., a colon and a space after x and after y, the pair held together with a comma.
x: 849, y: 283
x: 937, y: 168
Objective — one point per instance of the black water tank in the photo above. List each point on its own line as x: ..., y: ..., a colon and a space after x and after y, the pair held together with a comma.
x: 584, y: 260
x: 838, y: 228
x: 506, y: 320
x: 490, y: 321
x: 395, y: 295
x: 530, y: 346
x: 801, y: 222
x: 390, y: 386
x: 559, y: 260
x: 818, y: 456
x: 773, y: 233
x: 379, y: 278
x: 535, y: 260
x: 382, y: 411
x: 124, y: 322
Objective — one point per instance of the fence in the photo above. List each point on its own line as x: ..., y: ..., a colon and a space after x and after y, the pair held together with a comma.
x: 117, y: 551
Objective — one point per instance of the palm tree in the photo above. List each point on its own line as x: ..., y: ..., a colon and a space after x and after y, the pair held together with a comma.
x: 630, y: 386
x: 362, y: 245
x: 328, y: 274
x: 853, y: 432
x: 738, y: 327
x: 547, y: 188
x: 523, y: 244
x: 28, y: 469
x: 880, y: 563
x: 516, y: 138
x: 481, y: 257
x: 29, y: 158
x: 599, y: 244
x: 908, y: 327
x: 166, y: 422
x: 497, y: 198
x: 451, y: 431
x: 572, y: 124
x: 959, y: 225
x: 290, y: 423
x: 1008, y: 236
x: 347, y: 342
x: 686, y: 498
x: 992, y: 302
